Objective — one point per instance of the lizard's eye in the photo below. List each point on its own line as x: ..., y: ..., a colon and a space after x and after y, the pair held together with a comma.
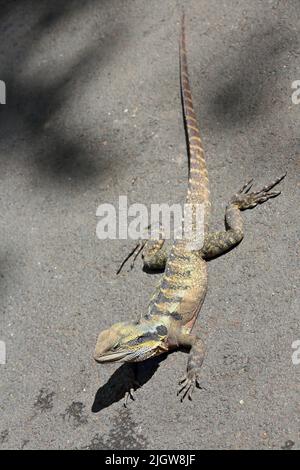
x: 115, y: 346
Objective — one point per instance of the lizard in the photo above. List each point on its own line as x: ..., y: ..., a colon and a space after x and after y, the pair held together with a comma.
x: 167, y: 325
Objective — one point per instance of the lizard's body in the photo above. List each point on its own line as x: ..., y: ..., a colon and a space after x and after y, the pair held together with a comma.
x: 177, y: 301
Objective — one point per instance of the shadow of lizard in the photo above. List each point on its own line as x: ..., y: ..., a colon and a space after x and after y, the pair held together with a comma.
x: 120, y: 383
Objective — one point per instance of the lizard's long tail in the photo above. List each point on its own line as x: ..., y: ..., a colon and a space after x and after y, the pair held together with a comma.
x: 198, y: 190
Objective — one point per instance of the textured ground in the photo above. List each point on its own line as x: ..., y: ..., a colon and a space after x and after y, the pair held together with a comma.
x: 68, y: 144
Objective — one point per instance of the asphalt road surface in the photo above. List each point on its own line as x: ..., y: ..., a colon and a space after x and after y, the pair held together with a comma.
x: 93, y: 112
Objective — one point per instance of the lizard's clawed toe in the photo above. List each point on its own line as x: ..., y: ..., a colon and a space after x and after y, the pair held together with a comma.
x: 246, y: 188
x: 187, y: 385
x: 132, y: 385
x: 129, y: 394
x: 135, y: 253
x: 246, y: 200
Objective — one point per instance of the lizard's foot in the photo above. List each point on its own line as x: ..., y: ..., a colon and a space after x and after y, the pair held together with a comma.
x: 129, y: 394
x: 245, y: 200
x: 150, y: 248
x: 197, y: 353
x: 132, y: 383
x: 187, y: 385
x: 135, y: 253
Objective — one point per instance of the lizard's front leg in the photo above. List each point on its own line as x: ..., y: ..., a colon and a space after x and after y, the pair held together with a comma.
x: 190, y: 380
x: 132, y: 382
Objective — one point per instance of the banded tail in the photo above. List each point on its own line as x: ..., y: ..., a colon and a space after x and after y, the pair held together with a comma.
x: 198, y: 190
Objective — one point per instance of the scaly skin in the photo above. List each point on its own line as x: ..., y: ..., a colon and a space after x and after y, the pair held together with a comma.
x: 177, y: 301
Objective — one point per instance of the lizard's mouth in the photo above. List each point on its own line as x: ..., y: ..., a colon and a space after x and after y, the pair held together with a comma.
x: 112, y: 356
x: 127, y: 355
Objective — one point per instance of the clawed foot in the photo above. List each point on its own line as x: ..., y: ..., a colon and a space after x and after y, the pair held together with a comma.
x: 187, y: 385
x: 130, y: 393
x: 135, y: 253
x: 246, y: 200
x: 149, y: 248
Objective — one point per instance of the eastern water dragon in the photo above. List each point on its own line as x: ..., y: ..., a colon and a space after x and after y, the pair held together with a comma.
x: 174, y: 308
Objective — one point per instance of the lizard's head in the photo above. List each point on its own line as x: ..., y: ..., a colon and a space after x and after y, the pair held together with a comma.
x: 131, y: 342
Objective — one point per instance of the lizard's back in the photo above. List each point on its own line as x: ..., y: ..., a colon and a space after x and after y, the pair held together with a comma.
x: 182, y: 288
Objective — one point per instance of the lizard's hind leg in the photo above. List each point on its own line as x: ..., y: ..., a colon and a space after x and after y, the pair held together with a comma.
x: 217, y: 243
x: 154, y: 251
x: 155, y: 254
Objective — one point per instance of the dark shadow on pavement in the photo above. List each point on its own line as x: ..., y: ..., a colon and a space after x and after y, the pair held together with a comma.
x: 121, y: 382
x: 31, y: 116
x: 250, y: 74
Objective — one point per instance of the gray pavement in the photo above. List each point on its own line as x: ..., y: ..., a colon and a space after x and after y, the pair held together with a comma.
x: 93, y: 111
